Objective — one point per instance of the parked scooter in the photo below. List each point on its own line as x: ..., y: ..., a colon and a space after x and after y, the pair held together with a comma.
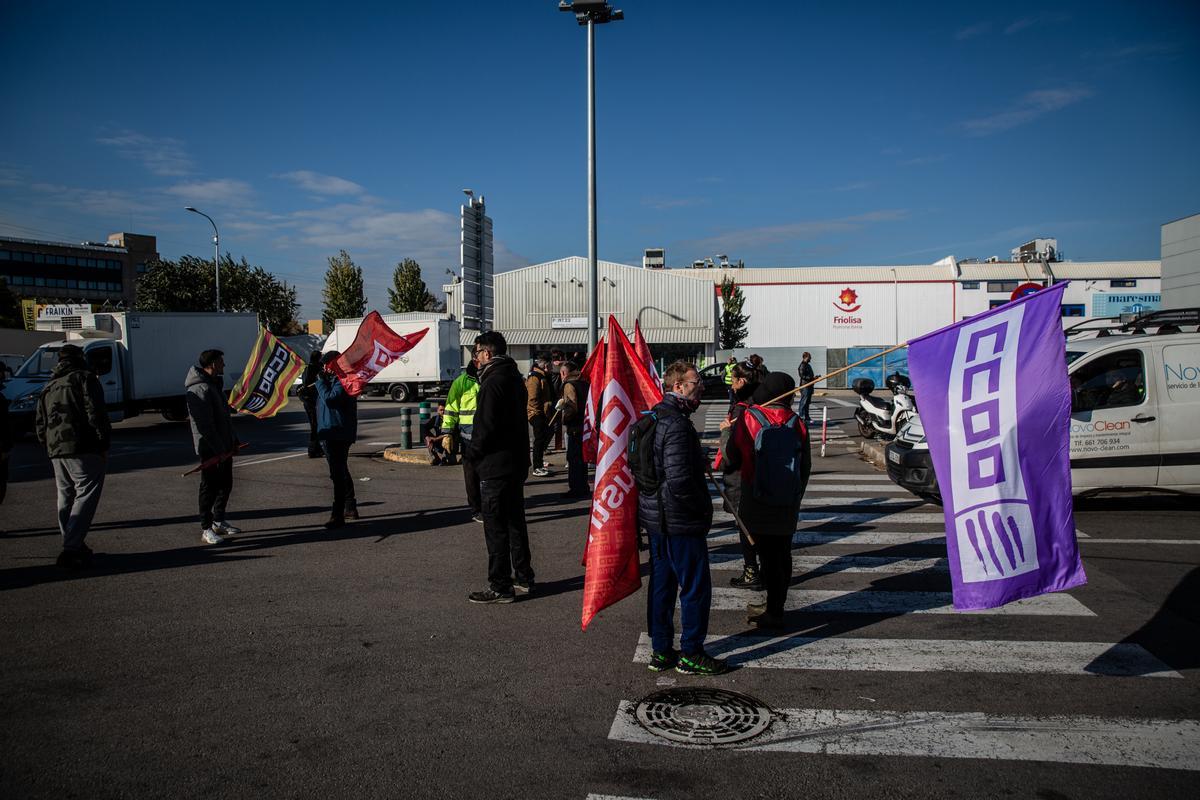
x: 881, y: 417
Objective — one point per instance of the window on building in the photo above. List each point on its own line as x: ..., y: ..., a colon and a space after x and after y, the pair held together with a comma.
x: 72, y: 284
x: 72, y: 261
x: 39, y: 282
x: 996, y: 303
x: 1072, y: 309
x: 27, y: 257
x: 141, y: 268
x: 1001, y: 286
x: 970, y: 284
x: 39, y: 258
x: 1122, y: 283
x: 1112, y: 381
x: 5, y: 255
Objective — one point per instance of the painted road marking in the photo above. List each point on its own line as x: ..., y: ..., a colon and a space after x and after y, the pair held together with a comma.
x: 930, y: 655
x: 1141, y: 541
x: 297, y: 454
x: 869, y: 564
x: 847, y: 476
x: 730, y: 536
x: 821, y: 486
x: 884, y: 516
x: 1123, y: 742
x: 821, y: 601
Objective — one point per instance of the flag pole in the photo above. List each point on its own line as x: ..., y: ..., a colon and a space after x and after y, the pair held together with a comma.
x: 733, y: 509
x: 212, y: 462
x: 838, y: 371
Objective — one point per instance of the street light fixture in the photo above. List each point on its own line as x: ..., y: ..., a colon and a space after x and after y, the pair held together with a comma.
x: 591, y: 13
x: 216, y: 251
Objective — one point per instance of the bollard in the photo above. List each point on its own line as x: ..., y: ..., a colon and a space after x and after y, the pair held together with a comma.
x: 406, y: 427
x: 425, y: 411
x: 824, y: 427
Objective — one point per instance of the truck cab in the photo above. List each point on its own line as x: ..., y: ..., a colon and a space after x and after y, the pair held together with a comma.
x: 24, y: 387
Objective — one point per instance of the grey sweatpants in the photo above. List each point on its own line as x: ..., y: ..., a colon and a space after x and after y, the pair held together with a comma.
x: 79, y: 481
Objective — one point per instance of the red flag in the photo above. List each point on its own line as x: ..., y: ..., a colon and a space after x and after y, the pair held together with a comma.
x: 643, y: 351
x: 592, y: 372
x: 611, y: 559
x: 374, y: 347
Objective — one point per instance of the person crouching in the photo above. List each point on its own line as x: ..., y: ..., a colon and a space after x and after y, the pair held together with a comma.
x: 337, y: 428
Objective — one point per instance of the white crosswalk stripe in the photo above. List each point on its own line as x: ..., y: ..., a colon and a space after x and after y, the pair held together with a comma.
x: 892, y: 603
x: 865, y: 503
x: 1161, y: 743
x: 930, y: 655
x: 730, y: 536
x: 853, y: 564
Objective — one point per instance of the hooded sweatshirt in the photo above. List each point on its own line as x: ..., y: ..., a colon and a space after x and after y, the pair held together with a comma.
x: 212, y: 429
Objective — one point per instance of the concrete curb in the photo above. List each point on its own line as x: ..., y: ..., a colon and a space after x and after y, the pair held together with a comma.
x: 402, y: 455
x: 872, y: 451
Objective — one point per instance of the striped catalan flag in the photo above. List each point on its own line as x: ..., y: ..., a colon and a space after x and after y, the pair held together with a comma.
x: 263, y: 388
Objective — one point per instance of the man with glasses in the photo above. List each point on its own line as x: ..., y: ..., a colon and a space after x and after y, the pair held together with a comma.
x: 499, y: 452
x: 677, y: 518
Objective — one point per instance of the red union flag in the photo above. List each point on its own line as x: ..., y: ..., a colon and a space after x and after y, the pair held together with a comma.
x: 374, y: 347
x: 643, y: 351
x: 593, y: 373
x: 611, y: 556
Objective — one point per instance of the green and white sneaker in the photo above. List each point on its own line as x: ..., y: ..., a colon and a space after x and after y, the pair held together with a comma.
x: 661, y: 662
x: 700, y: 664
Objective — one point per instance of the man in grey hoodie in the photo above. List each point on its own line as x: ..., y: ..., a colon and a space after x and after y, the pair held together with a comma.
x: 214, y: 440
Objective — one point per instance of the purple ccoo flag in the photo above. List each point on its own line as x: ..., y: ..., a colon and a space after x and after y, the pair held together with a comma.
x: 995, y: 402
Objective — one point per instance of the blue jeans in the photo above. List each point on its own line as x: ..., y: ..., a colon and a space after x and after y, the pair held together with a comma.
x: 678, y: 566
x: 805, y: 399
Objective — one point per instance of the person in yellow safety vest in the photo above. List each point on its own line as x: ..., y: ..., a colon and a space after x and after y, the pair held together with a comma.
x: 729, y: 379
x: 461, y: 402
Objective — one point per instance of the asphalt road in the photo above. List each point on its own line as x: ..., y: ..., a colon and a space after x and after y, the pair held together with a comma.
x: 296, y: 662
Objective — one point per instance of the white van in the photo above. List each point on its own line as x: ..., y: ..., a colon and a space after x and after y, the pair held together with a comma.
x: 1135, y: 412
x: 1135, y: 416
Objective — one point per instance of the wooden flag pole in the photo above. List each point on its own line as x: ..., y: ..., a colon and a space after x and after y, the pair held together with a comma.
x: 838, y: 371
x: 733, y: 509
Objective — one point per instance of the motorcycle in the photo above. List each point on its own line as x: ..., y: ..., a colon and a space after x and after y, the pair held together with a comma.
x: 884, y: 418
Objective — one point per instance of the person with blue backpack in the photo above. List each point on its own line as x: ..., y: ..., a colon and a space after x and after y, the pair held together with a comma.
x: 768, y: 448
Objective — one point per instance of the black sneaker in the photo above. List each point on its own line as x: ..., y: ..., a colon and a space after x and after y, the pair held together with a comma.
x: 523, y: 587
x: 661, y: 662
x: 490, y: 596
x: 749, y: 579
x: 700, y: 664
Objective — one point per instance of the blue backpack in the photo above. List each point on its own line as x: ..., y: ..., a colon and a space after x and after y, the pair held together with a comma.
x: 777, y: 461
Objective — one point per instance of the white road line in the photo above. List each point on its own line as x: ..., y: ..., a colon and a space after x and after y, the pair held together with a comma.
x: 1091, y: 540
x: 822, y: 486
x: 867, y: 601
x: 884, y: 516
x: 1122, y: 742
x: 612, y: 797
x: 848, y: 476
x: 931, y: 655
x: 840, y: 402
x: 297, y: 454
x: 845, y: 537
x: 872, y: 565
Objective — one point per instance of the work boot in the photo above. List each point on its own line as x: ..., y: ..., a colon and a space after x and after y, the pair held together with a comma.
x: 749, y: 579
x: 351, y: 510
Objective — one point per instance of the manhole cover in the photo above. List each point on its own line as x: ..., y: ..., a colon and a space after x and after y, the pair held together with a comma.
x: 700, y: 716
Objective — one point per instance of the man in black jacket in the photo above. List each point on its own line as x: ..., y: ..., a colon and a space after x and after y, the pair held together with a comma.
x: 677, y: 518
x: 499, y: 451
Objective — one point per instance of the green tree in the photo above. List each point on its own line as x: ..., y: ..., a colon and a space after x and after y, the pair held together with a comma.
x: 343, y: 292
x: 10, y: 308
x: 189, y: 285
x: 733, y: 321
x: 409, y: 292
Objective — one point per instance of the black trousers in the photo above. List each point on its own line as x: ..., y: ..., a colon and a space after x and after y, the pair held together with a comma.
x: 471, y: 479
x: 310, y: 409
x: 749, y: 551
x: 505, y: 532
x: 216, y: 483
x: 576, y: 469
x: 541, y: 437
x: 775, y: 557
x: 337, y: 455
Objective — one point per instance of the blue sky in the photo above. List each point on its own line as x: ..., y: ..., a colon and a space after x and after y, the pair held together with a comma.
x: 781, y: 134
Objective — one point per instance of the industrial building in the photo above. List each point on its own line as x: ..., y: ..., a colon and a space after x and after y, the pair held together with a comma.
x: 96, y: 273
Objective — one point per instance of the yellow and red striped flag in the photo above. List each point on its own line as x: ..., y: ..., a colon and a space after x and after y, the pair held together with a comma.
x: 263, y: 388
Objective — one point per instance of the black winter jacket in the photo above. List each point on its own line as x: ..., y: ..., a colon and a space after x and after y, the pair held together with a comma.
x: 687, y: 507
x: 499, y: 443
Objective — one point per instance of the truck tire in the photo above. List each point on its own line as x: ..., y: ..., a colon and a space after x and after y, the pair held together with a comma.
x: 175, y: 414
x: 402, y: 392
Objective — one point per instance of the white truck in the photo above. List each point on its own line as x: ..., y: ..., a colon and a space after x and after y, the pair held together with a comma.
x: 140, y: 358
x: 428, y: 368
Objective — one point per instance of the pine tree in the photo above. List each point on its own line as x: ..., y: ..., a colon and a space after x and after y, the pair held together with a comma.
x: 343, y: 292
x: 409, y: 292
x: 10, y: 308
x: 733, y: 321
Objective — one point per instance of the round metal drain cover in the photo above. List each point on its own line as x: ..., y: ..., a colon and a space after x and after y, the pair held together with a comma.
x: 701, y: 716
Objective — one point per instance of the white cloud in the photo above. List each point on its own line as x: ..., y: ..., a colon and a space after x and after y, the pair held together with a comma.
x: 220, y: 191
x: 808, y: 229
x: 971, y: 31
x: 162, y: 156
x: 921, y: 161
x: 1025, y: 110
x: 854, y: 186
x: 1019, y: 25
x: 666, y: 203
x: 324, y: 185
x: 99, y: 202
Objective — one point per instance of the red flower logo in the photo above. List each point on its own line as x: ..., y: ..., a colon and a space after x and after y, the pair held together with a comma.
x: 847, y: 301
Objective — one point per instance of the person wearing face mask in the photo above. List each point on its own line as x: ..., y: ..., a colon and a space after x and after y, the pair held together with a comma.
x: 745, y: 381
x: 677, y: 518
x: 214, y: 440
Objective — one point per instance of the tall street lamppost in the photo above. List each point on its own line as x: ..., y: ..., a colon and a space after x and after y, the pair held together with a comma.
x: 592, y: 13
x: 216, y: 251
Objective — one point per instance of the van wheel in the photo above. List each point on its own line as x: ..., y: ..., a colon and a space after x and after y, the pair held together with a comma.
x: 401, y: 393
x: 175, y: 414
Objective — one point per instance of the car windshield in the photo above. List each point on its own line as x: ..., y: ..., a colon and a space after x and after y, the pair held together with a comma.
x: 1073, y: 354
x: 39, y: 364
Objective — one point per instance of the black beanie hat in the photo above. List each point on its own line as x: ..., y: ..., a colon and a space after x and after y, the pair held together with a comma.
x: 775, y: 384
